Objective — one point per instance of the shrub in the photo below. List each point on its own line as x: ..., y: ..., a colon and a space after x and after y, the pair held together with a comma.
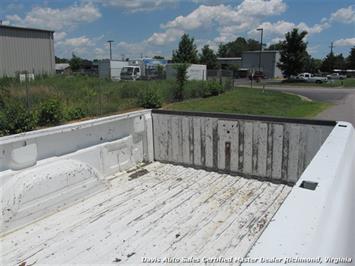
x: 149, y: 98
x: 181, y: 78
x: 213, y: 88
x: 50, y: 112
x: 74, y: 113
x: 3, y: 123
x: 228, y: 85
x: 15, y: 118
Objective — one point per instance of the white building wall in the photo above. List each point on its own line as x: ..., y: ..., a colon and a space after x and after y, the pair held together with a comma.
x: 111, y: 69
x: 194, y: 72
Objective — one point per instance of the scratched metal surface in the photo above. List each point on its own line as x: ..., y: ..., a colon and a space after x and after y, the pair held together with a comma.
x: 163, y: 210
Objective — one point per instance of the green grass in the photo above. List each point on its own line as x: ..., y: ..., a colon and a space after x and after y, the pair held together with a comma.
x: 93, y: 95
x: 80, y: 97
x: 253, y: 102
x: 346, y: 83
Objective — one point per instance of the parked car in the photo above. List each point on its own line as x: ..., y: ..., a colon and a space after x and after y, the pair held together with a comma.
x: 308, y: 77
x: 336, y: 76
x: 258, y: 75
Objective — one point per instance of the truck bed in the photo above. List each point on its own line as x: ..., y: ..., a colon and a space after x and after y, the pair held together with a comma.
x: 160, y: 210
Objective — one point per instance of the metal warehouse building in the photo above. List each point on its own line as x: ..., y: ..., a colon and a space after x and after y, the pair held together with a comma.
x: 268, y: 62
x: 26, y: 49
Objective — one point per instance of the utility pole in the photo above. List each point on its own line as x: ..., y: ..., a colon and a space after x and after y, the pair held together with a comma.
x: 110, y: 42
x: 331, y: 47
x: 261, y: 46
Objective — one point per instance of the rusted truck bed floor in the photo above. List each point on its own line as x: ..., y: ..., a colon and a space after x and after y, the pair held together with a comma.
x: 170, y: 211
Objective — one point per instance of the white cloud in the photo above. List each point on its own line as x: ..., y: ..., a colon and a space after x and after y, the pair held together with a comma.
x: 276, y: 31
x: 78, y: 42
x: 138, y: 5
x: 345, y: 42
x: 313, y: 49
x: 228, y: 20
x: 134, y: 50
x: 57, y: 19
x: 202, y: 16
x: 165, y: 37
x: 59, y: 35
x: 83, y: 46
x: 344, y: 15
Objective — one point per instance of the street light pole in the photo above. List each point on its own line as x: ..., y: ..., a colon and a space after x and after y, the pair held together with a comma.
x: 110, y: 42
x: 261, y: 46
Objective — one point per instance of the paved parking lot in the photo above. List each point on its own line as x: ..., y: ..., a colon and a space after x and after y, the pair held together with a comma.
x: 342, y: 99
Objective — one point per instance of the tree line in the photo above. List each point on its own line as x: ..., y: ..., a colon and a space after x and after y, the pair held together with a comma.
x: 293, y: 50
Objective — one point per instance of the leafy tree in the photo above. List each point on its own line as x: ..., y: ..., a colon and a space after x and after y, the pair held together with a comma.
x: 208, y: 57
x: 59, y: 60
x: 332, y: 61
x: 293, y: 52
x: 233, y: 49
x: 253, y: 45
x: 75, y: 62
x: 222, y: 50
x: 350, y: 60
x: 328, y: 63
x: 340, y: 62
x: 237, y: 47
x: 181, y: 78
x: 158, y: 57
x: 275, y: 46
x: 186, y: 52
x: 312, y: 65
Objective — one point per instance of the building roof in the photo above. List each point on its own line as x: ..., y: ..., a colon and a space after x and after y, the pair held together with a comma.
x: 229, y: 58
x: 23, y: 28
x: 264, y: 51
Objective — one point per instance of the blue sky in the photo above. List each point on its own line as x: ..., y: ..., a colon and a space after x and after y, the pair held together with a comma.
x: 153, y: 27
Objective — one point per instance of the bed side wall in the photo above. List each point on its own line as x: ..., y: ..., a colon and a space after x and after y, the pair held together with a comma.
x: 24, y: 150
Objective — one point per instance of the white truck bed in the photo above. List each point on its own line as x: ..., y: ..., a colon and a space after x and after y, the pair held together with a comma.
x: 163, y: 210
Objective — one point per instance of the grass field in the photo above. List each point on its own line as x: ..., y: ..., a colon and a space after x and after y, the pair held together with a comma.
x: 254, y: 102
x: 54, y: 100
x: 92, y: 95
